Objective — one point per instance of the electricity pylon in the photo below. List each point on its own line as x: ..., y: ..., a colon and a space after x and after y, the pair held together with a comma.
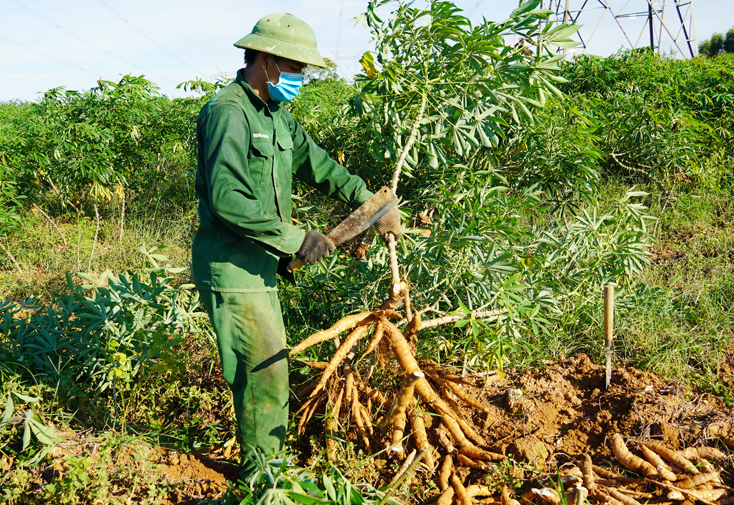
x: 666, y: 21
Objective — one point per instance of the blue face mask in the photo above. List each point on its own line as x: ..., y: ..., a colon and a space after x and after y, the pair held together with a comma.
x: 287, y: 88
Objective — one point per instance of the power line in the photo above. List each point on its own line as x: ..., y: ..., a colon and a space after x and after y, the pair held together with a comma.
x: 172, y: 55
x: 339, y: 29
x: 82, y: 39
x: 48, y: 56
x: 475, y: 7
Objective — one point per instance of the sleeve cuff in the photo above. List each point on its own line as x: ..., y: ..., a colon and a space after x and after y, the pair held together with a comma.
x: 362, y: 197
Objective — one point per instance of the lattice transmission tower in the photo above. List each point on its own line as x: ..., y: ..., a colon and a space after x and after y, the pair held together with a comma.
x: 665, y: 22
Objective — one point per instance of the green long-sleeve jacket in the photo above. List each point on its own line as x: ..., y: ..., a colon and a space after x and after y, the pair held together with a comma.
x: 248, y: 152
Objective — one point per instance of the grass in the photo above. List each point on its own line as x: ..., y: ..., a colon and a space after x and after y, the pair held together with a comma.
x: 684, y: 333
x: 40, y: 250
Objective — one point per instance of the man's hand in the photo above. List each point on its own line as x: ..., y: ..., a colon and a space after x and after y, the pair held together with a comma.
x: 390, y: 222
x: 315, y: 247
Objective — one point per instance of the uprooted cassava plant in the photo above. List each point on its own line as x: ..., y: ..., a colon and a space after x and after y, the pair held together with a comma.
x: 442, y: 88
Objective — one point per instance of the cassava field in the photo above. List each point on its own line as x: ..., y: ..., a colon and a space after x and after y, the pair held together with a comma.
x: 462, y: 364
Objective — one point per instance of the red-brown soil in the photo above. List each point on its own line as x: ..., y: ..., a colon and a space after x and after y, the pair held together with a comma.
x: 566, y: 409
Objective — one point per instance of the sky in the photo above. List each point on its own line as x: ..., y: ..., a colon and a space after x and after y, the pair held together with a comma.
x: 73, y: 43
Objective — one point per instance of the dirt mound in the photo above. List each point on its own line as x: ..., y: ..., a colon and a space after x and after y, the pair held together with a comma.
x: 564, y: 411
x: 196, y: 476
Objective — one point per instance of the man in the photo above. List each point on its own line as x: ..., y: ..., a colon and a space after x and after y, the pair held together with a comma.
x: 249, y: 148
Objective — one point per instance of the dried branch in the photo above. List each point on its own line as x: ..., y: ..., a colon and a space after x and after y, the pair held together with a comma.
x: 448, y: 319
x: 39, y: 209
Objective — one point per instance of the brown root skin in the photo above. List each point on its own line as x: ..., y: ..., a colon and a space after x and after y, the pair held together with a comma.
x: 629, y: 460
x: 428, y: 366
x: 468, y: 399
x: 447, y: 467
x: 694, y: 495
x: 446, y: 497
x: 404, y: 397
x: 397, y: 417
x: 357, y: 415
x: 462, y: 495
x: 376, y: 338
x: 456, y: 389
x: 309, y: 408
x: 468, y: 462
x: 331, y: 445
x: 661, y: 466
x: 408, y: 363
x: 477, y: 490
x: 710, y: 453
x: 700, y: 454
x: 366, y: 418
x: 673, y: 457
x: 470, y: 433
x: 697, y: 480
x: 481, y: 454
x: 626, y: 500
x: 421, y: 439
x: 349, y: 385
x: 588, y: 472
x: 339, y: 356
x: 605, y: 473
x: 306, y: 391
x: 412, y: 329
x: 318, y: 365
x: 603, y: 497
x: 341, y: 326
x: 402, y: 350
x: 374, y: 394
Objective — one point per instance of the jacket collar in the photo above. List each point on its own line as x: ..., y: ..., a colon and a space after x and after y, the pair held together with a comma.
x: 273, y: 105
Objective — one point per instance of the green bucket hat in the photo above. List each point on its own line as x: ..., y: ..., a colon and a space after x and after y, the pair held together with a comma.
x: 284, y: 35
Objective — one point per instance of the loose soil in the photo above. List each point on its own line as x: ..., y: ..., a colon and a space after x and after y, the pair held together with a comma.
x: 565, y: 411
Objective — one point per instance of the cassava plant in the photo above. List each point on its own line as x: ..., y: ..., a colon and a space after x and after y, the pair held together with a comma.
x: 10, y: 206
x: 435, y: 89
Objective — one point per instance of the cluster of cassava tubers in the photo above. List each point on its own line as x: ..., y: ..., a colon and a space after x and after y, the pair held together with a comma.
x: 667, y: 477
x: 427, y: 399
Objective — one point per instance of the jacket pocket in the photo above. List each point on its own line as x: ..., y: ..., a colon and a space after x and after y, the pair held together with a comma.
x: 261, y: 162
x: 285, y: 170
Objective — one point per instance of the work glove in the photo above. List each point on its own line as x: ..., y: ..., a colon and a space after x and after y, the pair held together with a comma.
x: 315, y: 247
x: 390, y: 222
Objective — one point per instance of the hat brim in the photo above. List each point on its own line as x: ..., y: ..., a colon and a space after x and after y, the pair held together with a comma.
x: 280, y: 48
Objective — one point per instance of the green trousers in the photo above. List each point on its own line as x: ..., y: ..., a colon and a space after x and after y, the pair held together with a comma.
x: 251, y: 341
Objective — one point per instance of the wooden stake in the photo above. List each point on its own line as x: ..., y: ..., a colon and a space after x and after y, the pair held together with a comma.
x: 608, y: 329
